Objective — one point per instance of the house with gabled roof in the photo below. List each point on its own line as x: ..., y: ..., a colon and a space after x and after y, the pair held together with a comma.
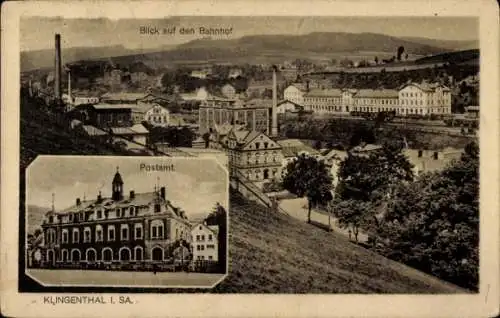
x: 254, y: 156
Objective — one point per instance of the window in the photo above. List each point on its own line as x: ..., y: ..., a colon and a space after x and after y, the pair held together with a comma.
x: 124, y: 232
x: 202, y: 247
x: 86, y: 235
x: 257, y: 145
x: 203, y: 237
x: 210, y: 246
x: 197, y: 237
x: 157, y: 229
x: 98, y: 233
x: 209, y: 237
x: 157, y: 208
x: 111, y: 233
x: 76, y: 235
x: 99, y: 214
x: 210, y: 257
x: 132, y: 211
x: 198, y: 248
x: 138, y: 231
x: 118, y: 213
x: 65, y: 236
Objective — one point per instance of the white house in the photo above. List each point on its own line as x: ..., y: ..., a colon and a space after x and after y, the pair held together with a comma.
x: 295, y: 93
x: 425, y: 99
x: 157, y: 116
x: 205, y: 242
x: 287, y: 106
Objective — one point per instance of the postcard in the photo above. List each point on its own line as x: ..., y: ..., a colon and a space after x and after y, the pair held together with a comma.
x: 250, y: 159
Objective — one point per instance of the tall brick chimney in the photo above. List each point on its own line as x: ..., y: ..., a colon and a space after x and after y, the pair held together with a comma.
x: 57, y: 70
x: 274, y: 125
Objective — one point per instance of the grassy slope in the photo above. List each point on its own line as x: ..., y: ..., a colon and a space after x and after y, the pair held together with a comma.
x: 273, y: 253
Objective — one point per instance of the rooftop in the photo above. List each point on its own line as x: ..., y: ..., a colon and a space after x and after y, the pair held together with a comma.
x: 124, y: 96
x: 112, y: 106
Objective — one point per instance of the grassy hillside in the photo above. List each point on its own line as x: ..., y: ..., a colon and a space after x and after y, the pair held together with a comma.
x: 274, y: 253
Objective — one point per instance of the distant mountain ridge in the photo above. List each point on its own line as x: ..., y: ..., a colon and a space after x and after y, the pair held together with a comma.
x: 252, y: 45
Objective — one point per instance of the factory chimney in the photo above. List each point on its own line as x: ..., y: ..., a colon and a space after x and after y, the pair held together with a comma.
x: 57, y: 71
x: 30, y: 87
x: 274, y: 114
x: 69, y: 85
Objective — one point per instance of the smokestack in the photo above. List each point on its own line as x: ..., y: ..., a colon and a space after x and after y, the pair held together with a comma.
x: 69, y: 85
x: 57, y: 75
x: 30, y: 88
x: 162, y: 193
x: 274, y: 127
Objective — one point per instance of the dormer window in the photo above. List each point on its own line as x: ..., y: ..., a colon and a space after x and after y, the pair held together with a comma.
x: 257, y: 145
x: 51, y: 219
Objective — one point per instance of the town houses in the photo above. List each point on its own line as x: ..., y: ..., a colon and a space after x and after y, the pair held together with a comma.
x: 254, y: 156
x: 410, y: 99
x: 125, y: 229
x: 205, y: 242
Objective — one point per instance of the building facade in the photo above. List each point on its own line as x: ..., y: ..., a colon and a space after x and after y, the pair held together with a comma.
x: 205, y: 243
x: 157, y: 116
x: 253, y: 114
x: 411, y: 99
x: 295, y: 93
x: 136, y: 230
x: 253, y: 155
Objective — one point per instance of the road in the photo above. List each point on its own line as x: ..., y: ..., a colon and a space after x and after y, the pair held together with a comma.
x: 64, y: 277
x: 297, y: 208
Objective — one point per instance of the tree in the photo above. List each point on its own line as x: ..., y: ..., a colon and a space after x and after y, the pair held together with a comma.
x: 372, y: 177
x: 306, y: 176
x: 352, y: 214
x: 433, y: 223
x: 218, y: 217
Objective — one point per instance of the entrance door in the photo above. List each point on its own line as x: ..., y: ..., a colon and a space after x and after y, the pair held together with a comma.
x: 157, y: 254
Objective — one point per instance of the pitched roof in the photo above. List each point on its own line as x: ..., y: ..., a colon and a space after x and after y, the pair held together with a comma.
x: 377, y: 93
x: 93, y: 131
x: 293, y: 147
x: 112, y: 106
x: 123, y: 96
x: 136, y: 129
x: 328, y: 92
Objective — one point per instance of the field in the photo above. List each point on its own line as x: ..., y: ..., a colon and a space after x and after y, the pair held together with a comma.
x: 274, y: 253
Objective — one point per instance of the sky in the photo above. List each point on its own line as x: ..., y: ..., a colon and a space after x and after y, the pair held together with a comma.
x: 38, y: 32
x: 195, y: 186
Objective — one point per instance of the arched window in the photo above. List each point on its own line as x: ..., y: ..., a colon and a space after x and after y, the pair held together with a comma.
x: 157, y: 254
x: 138, y: 253
x: 98, y: 233
x: 138, y: 233
x: 86, y: 235
x: 50, y: 257
x: 76, y: 236
x: 75, y: 255
x: 111, y: 232
x: 64, y: 255
x: 124, y: 232
x: 107, y: 254
x: 91, y: 255
x: 65, y: 236
x: 124, y: 254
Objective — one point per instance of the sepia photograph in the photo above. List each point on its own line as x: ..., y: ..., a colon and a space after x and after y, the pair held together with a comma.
x: 143, y: 222
x: 364, y: 143
x: 264, y: 155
